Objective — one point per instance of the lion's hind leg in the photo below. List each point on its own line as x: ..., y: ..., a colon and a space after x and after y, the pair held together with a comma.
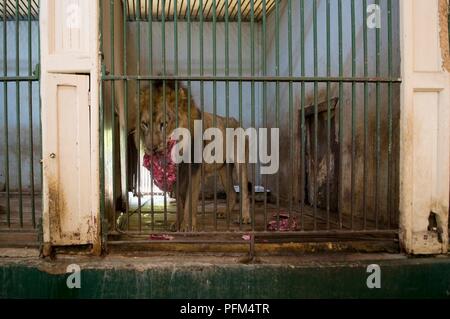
x: 242, y: 173
x: 226, y: 177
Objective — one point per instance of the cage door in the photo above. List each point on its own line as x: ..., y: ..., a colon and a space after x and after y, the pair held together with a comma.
x: 66, y: 160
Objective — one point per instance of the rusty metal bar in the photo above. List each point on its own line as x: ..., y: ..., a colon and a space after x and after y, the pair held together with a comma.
x: 245, y: 78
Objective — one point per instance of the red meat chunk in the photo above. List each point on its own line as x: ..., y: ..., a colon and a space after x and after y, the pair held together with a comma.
x: 162, y: 168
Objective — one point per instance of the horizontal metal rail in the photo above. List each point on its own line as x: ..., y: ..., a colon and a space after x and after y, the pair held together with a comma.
x: 258, y: 237
x: 373, y: 233
x: 13, y: 78
x: 274, y: 79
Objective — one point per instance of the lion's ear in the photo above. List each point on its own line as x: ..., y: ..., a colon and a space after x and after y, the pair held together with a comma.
x: 182, y: 93
x: 144, y: 94
x: 171, y: 116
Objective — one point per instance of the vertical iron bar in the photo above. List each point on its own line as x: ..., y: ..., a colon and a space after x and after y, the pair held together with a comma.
x: 202, y: 103
x: 189, y: 53
x: 366, y: 118
x: 39, y: 101
x: 227, y: 95
x: 157, y: 10
x: 5, y: 109
x: 341, y: 112
x: 389, y: 168
x: 302, y: 111
x: 264, y: 71
x: 378, y: 91
x: 277, y: 96
x: 328, y: 17
x: 352, y: 192
x: 215, y: 102
x: 150, y: 59
x: 138, y: 112
x: 252, y: 36
x: 101, y: 124
x: 113, y: 120
x: 240, y: 106
x: 30, y: 112
x: 163, y: 53
x: 125, y: 104
x: 316, y: 112
x: 102, y: 155
x: 18, y: 136
x: 175, y: 58
x: 291, y: 115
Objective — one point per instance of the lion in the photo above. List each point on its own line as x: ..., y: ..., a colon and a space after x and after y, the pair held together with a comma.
x: 156, y: 126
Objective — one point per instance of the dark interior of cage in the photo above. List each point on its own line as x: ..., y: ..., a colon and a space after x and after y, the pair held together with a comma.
x: 338, y: 139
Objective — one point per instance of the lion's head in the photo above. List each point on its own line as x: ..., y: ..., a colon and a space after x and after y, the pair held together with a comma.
x: 160, y: 118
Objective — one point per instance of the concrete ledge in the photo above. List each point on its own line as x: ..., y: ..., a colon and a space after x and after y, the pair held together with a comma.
x: 195, y: 276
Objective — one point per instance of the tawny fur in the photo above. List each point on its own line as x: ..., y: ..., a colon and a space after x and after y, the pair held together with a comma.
x: 157, y: 122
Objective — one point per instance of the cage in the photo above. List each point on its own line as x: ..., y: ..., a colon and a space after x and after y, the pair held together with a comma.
x: 325, y: 73
x: 20, y: 137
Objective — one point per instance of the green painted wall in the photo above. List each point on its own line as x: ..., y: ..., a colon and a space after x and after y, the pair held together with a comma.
x: 425, y: 278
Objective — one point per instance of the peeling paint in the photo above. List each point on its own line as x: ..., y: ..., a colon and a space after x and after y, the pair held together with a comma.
x: 54, y: 197
x: 443, y: 34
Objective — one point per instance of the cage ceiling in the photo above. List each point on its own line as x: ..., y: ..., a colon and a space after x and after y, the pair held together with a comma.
x: 19, y: 9
x: 196, y: 9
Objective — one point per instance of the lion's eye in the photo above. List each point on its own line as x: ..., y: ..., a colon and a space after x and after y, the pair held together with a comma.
x: 144, y: 125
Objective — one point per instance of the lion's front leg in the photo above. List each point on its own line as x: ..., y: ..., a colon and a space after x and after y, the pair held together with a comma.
x: 191, y: 202
x: 176, y: 226
x: 243, y: 187
x: 226, y: 176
